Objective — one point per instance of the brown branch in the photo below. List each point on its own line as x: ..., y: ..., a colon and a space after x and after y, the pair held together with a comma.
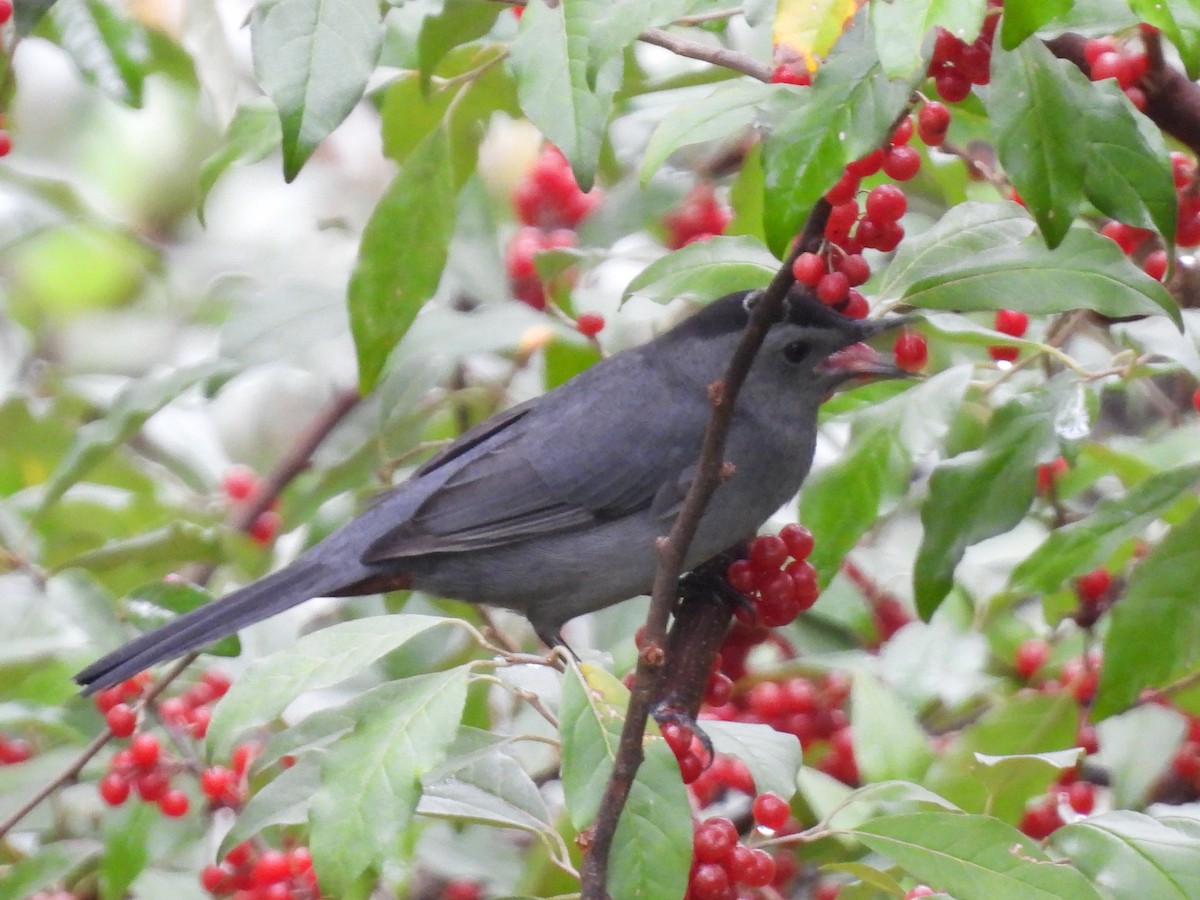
x: 293, y: 464
x: 672, y: 551
x: 718, y: 56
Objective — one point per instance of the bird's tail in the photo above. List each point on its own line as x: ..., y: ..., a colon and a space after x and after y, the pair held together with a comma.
x: 281, y: 590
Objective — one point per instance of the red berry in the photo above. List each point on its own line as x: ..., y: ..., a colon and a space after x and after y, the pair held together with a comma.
x: 518, y: 258
x: 886, y: 203
x: 269, y: 868
x: 216, y: 781
x: 841, y: 219
x: 1196, y: 399
x: 975, y: 62
x: 265, y: 526
x: 921, y: 890
x: 1096, y: 46
x: 844, y: 191
x: 904, y: 132
x: 462, y: 889
x: 215, y: 880
x: 1048, y: 473
x: 1126, y: 237
x: 1011, y: 322
x: 933, y: 121
x: 678, y: 738
x: 122, y: 720
x: 946, y: 46
x: 1004, y: 354
x: 719, y: 689
x: 1041, y: 821
x: 808, y: 268
x: 952, y: 86
x: 1155, y: 264
x: 5, y: 141
x: 911, y: 351
x: 239, y: 483
x: 6, y: 11
x: 1137, y: 97
x: 1093, y: 586
x: 1031, y: 656
x: 144, y: 751
x: 867, y: 165
x: 710, y: 881
x: 740, y: 576
x: 1082, y: 797
x: 856, y: 269
x: 714, y: 839
x: 1186, y: 762
x: 901, y: 163
x: 1183, y: 169
x: 768, y: 552
x: 1087, y: 739
x: 174, y: 803
x: 778, y: 602
x: 590, y: 324
x: 1106, y: 65
x: 856, y: 306
x: 798, y: 540
x: 114, y: 789
x: 243, y: 755
x: 107, y: 699
x: 833, y: 288
x: 890, y: 236
x: 151, y: 785
x: 771, y: 811
x: 789, y: 74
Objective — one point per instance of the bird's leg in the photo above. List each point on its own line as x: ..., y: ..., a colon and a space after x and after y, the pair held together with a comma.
x: 695, y: 638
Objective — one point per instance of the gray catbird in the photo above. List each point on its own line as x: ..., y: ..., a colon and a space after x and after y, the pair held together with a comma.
x: 552, y: 507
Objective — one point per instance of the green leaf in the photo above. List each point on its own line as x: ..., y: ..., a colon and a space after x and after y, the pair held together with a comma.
x: 902, y: 25
x: 845, y: 115
x: 110, y: 50
x: 1024, y: 17
x: 973, y: 857
x: 456, y: 22
x: 253, y: 135
x: 318, y: 660
x: 1137, y: 749
x: 980, y: 494
x: 492, y: 789
x: 1154, y: 635
x: 705, y: 270
x: 402, y: 255
x: 1086, y: 270
x: 313, y: 59
x: 889, y: 744
x: 178, y: 542
x: 1023, y: 774
x: 28, y: 13
x: 1035, y: 128
x: 653, y: 844
x: 726, y: 111
x: 283, y: 800
x: 132, y: 407
x: 52, y: 862
x: 551, y: 59
x: 371, y: 778
x: 773, y: 757
x: 1088, y: 542
x: 1133, y: 855
x: 126, y: 849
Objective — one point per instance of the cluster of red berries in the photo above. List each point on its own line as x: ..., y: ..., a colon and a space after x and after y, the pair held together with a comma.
x: 191, y: 711
x: 720, y: 862
x: 957, y: 66
x: 1109, y: 58
x: 14, y: 750
x: 699, y: 217
x: 249, y: 873
x: 1046, y: 815
x: 240, y: 485
x: 550, y: 204
x: 778, y: 590
x: 142, y: 767
x: 226, y: 785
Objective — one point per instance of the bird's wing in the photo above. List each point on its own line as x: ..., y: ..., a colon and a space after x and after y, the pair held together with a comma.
x: 571, y: 462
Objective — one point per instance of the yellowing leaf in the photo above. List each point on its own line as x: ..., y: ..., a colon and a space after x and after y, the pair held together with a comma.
x: 810, y: 28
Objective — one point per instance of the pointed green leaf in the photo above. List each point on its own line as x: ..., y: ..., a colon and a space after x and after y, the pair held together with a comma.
x: 1133, y: 855
x: 253, y: 135
x: 313, y: 59
x: 889, y: 744
x: 705, y: 270
x: 402, y: 254
x: 1154, y: 636
x: 979, y: 494
x: 1086, y: 543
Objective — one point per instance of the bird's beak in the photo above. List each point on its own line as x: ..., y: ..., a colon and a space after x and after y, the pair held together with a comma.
x: 860, y: 362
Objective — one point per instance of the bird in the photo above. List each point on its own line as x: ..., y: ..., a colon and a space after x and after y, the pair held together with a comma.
x: 552, y: 508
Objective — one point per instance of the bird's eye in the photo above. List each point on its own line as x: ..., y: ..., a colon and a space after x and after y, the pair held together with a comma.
x: 796, y: 351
